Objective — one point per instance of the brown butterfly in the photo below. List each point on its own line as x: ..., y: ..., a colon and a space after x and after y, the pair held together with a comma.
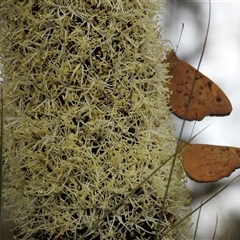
x: 207, y: 98
x: 208, y: 163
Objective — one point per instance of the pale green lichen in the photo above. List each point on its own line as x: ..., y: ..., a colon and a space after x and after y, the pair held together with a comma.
x: 86, y: 120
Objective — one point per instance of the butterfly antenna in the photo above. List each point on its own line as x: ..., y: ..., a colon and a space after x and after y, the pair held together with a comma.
x: 180, y: 37
x: 191, y: 138
x: 191, y: 135
x: 192, y: 130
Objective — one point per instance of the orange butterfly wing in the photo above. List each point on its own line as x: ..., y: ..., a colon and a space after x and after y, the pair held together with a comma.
x: 207, y: 98
x: 208, y: 163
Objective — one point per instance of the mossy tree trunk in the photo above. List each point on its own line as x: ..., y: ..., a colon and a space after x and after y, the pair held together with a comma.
x: 86, y: 120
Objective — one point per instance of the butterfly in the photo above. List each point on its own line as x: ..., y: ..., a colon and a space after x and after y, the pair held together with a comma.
x: 208, y: 163
x: 207, y: 98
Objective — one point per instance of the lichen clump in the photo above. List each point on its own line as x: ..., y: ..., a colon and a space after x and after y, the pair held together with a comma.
x: 86, y: 120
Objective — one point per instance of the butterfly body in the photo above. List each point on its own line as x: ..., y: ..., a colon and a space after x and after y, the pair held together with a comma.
x: 208, y: 163
x: 207, y: 98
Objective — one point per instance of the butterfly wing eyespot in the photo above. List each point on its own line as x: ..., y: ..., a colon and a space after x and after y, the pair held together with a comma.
x: 207, y: 98
x: 208, y: 163
x: 218, y: 99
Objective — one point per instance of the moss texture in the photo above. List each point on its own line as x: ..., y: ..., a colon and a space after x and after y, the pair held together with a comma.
x: 86, y: 120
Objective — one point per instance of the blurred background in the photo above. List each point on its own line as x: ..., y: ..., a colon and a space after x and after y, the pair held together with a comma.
x: 221, y: 63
